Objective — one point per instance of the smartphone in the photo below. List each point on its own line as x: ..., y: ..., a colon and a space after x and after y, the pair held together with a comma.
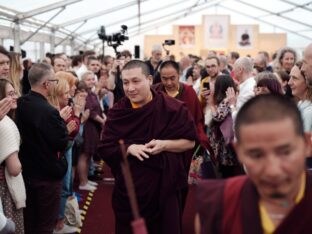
x: 206, y: 85
x: 70, y: 102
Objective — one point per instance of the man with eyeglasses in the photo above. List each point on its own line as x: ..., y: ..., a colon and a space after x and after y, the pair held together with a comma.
x: 207, y: 84
x: 44, y: 136
x: 213, y: 70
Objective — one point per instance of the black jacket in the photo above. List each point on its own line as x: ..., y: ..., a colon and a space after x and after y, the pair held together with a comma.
x: 44, y: 136
x: 154, y: 72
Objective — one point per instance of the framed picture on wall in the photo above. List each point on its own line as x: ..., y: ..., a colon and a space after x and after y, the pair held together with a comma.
x: 216, y: 31
x: 244, y: 36
x: 187, y: 36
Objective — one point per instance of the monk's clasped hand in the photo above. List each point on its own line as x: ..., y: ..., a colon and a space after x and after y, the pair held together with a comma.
x: 156, y: 146
x: 138, y: 151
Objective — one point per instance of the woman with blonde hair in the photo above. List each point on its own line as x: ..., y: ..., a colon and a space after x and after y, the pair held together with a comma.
x: 71, y: 80
x: 71, y: 115
x: 16, y: 71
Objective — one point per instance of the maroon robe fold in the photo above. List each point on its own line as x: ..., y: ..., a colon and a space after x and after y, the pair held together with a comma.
x: 92, y: 128
x: 156, y: 179
x: 242, y: 215
x: 188, y: 96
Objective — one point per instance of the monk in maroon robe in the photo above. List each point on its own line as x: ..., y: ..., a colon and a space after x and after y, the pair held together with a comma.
x: 276, y: 195
x: 170, y: 85
x: 157, y: 130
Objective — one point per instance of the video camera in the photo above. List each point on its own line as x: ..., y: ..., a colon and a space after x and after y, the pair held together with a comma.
x: 168, y: 43
x: 114, y: 40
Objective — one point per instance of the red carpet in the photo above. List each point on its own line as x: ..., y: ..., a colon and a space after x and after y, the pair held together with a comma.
x: 100, y: 218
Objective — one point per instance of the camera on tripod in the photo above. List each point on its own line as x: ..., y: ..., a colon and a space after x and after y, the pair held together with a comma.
x: 115, y: 37
x: 168, y: 43
x: 114, y: 40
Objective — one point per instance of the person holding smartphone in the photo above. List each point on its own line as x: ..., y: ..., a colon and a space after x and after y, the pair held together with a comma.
x: 207, y: 86
x: 115, y: 81
x: 213, y: 69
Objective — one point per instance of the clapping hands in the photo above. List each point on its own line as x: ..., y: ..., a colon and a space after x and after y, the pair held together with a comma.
x: 5, y: 106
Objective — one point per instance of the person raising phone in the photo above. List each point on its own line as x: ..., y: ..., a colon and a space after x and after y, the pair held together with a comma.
x: 207, y: 85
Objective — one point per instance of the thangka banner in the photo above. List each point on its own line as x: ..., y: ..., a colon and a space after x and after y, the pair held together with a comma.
x: 216, y: 31
x: 244, y: 36
x: 187, y: 36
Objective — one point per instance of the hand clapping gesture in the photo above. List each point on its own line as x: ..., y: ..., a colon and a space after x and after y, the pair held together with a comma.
x: 231, y: 96
x: 71, y: 126
x: 65, y: 113
x: 5, y: 106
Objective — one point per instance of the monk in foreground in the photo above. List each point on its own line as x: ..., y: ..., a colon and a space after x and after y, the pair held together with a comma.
x: 276, y: 194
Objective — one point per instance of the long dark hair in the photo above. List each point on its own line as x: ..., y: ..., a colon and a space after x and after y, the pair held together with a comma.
x: 223, y: 82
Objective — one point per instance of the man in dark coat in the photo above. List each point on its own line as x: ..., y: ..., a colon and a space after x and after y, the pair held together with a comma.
x: 276, y: 195
x: 157, y: 131
x: 154, y: 62
x: 44, y: 136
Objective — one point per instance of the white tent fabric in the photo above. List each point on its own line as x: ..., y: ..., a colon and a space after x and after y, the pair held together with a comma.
x: 75, y: 22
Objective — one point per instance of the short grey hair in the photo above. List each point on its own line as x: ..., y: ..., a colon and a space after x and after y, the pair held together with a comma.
x: 223, y: 59
x: 86, y: 74
x: 245, y: 63
x: 37, y: 73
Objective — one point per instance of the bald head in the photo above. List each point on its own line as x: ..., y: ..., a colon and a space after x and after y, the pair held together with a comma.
x: 307, y: 64
x: 243, y: 68
x: 185, y: 62
x: 260, y: 63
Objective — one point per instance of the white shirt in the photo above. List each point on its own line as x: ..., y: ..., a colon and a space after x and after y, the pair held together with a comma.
x: 196, y: 85
x: 305, y: 108
x: 183, y: 77
x: 246, y: 91
x: 82, y: 69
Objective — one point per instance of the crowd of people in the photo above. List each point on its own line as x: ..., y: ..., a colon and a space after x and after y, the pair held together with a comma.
x: 250, y: 116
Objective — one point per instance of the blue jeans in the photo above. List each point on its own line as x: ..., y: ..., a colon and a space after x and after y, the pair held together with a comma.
x: 91, y: 167
x: 67, y: 183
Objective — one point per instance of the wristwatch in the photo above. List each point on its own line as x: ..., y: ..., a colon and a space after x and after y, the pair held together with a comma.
x: 232, y: 107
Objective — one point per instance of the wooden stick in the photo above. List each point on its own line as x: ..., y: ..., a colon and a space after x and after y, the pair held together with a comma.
x: 129, y: 182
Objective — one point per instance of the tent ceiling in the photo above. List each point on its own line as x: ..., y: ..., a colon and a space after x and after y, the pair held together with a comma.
x: 81, y: 18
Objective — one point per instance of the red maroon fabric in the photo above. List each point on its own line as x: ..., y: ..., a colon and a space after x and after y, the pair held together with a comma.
x: 158, y: 179
x: 211, y: 208
x: 232, y: 219
x: 188, y: 96
x: 92, y: 128
x: 74, y: 133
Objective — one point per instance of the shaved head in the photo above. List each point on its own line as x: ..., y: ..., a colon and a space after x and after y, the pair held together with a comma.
x: 268, y: 108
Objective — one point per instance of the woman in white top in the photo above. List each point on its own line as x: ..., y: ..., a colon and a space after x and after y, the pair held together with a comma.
x: 300, y: 90
x: 12, y: 189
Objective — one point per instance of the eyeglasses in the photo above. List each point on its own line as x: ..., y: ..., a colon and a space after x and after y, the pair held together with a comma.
x: 54, y: 80
x: 12, y: 93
